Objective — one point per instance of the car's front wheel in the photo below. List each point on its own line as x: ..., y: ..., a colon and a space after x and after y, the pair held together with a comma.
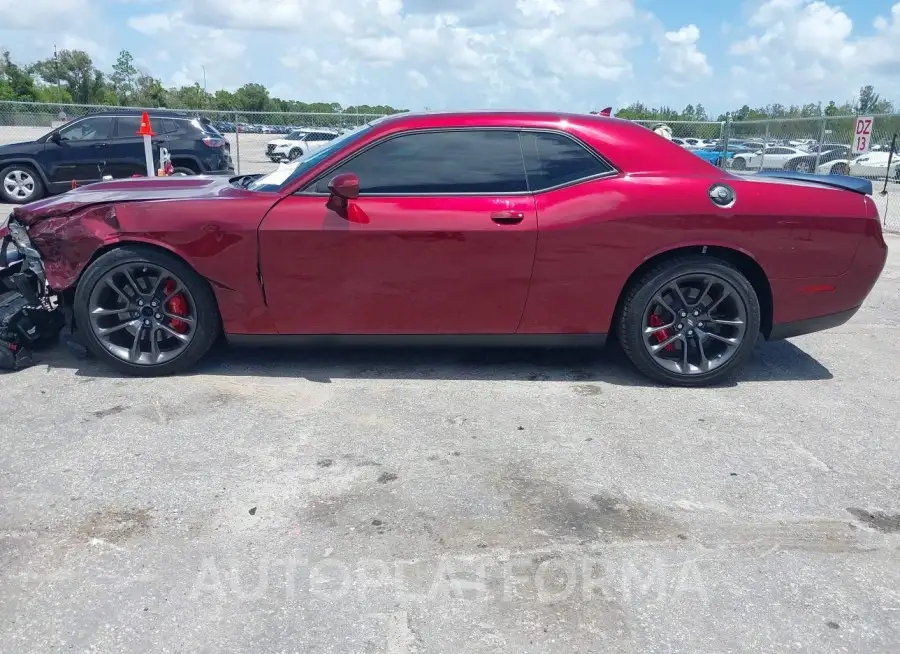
x: 294, y: 153
x: 804, y: 167
x: 20, y: 184
x: 690, y: 321
x: 145, y: 312
x: 739, y: 163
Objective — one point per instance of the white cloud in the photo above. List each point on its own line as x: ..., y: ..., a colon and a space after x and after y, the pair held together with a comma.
x: 681, y: 58
x: 807, y: 50
x: 463, y: 52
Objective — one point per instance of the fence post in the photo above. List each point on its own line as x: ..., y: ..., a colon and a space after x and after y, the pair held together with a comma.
x: 821, y: 141
x: 237, y: 144
x: 726, y: 134
x: 762, y: 161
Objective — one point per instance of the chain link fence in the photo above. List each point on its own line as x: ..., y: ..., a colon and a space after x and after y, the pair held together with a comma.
x: 812, y: 145
x: 248, y: 133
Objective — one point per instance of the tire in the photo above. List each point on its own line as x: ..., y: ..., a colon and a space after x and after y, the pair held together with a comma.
x: 182, y: 170
x: 803, y: 167
x: 294, y: 153
x: 206, y: 313
x: 840, y: 169
x: 739, y: 163
x: 639, y: 296
x: 18, y: 179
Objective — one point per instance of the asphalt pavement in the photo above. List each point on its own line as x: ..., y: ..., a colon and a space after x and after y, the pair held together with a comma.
x: 458, y: 500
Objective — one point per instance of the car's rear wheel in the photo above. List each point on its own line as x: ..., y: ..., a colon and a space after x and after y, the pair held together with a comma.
x: 840, y: 169
x: 690, y: 321
x: 145, y: 312
x: 739, y: 163
x: 182, y: 170
x: 20, y: 184
x: 803, y: 167
x: 294, y: 153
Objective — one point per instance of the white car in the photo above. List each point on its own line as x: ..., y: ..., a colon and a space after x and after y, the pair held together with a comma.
x: 772, y: 158
x: 873, y: 165
x: 298, y: 143
x: 691, y: 143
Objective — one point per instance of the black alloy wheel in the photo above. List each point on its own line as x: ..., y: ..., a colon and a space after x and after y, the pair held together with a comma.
x: 145, y: 312
x: 691, y: 321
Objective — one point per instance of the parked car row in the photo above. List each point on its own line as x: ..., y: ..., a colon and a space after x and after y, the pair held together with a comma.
x: 247, y: 128
x: 826, y: 159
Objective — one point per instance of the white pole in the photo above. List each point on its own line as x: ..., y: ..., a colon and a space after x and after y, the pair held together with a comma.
x: 148, y: 155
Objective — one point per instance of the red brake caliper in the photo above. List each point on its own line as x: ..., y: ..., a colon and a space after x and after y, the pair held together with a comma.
x: 176, y: 306
x: 656, y: 321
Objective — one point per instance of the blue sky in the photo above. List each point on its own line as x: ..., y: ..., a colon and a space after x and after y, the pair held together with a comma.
x: 552, y: 54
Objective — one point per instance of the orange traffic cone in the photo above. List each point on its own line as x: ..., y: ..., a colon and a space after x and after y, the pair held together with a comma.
x: 145, y: 129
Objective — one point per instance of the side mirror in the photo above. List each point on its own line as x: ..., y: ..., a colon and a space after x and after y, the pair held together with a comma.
x: 54, y: 137
x: 345, y: 185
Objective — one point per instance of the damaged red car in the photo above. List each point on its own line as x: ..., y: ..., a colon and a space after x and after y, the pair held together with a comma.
x: 500, y: 227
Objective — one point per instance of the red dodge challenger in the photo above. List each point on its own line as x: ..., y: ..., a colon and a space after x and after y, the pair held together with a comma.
x: 523, y: 227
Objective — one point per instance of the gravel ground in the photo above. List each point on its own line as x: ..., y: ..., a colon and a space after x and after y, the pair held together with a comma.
x: 455, y: 500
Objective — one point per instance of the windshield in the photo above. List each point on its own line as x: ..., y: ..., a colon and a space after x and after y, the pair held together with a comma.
x: 288, y: 172
x: 295, y: 136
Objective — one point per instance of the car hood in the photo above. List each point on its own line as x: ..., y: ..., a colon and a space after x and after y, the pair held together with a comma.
x: 18, y: 148
x: 282, y: 142
x: 126, y: 190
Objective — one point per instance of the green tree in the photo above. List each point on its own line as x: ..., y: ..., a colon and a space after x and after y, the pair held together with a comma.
x: 252, y: 97
x: 811, y: 110
x: 75, y: 71
x: 123, y: 79
x: 15, y: 83
x: 149, y: 92
x: 871, y: 102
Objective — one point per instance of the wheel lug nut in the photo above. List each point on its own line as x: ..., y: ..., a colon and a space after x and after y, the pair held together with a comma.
x: 682, y: 314
x: 696, y: 313
x: 154, y: 303
x: 158, y: 316
x: 146, y: 323
x: 690, y: 332
x: 140, y: 303
x: 679, y: 326
x: 700, y: 324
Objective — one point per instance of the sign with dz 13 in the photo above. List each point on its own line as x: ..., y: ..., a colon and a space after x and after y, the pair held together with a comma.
x: 862, y: 134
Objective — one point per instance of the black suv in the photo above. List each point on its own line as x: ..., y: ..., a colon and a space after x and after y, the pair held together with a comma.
x: 85, y: 150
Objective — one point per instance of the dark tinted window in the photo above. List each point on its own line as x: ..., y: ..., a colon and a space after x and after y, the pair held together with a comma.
x: 476, y: 161
x: 128, y: 126
x: 166, y: 125
x: 89, y: 129
x: 556, y: 159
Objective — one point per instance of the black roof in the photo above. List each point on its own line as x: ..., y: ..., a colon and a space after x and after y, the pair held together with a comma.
x: 161, y: 113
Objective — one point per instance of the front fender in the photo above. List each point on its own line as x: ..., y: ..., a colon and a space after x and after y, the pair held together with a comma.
x: 68, y: 242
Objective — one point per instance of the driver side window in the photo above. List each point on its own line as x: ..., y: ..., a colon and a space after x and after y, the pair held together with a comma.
x: 476, y: 161
x: 89, y: 129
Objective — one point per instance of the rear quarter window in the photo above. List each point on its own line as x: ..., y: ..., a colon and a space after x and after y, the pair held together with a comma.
x: 554, y: 159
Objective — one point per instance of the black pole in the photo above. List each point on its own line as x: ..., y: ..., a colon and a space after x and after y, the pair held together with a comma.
x: 58, y: 88
x: 887, y: 175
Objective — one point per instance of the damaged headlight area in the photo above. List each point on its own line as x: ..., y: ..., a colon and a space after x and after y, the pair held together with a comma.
x: 29, y: 315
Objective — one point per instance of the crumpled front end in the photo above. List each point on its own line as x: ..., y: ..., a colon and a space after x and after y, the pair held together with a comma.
x: 30, y: 314
x: 40, y: 261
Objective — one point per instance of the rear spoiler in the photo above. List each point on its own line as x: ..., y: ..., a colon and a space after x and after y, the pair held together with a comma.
x: 846, y: 182
x: 603, y: 112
